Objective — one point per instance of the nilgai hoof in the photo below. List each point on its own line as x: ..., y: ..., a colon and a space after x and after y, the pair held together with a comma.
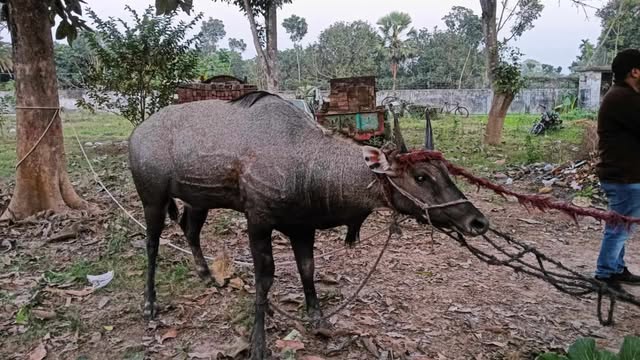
x: 150, y: 310
x: 211, y: 282
x: 322, y: 327
x: 203, y: 273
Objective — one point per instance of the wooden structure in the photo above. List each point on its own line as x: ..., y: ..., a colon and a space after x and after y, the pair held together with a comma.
x: 222, y: 87
x: 352, y: 109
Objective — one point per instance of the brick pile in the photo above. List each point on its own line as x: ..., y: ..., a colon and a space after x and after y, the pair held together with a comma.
x: 221, y: 91
x: 352, y: 94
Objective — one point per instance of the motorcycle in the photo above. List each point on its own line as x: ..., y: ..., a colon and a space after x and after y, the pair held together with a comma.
x: 549, y: 120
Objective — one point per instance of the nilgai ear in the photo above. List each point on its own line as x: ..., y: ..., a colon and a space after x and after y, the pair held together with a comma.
x: 376, y: 160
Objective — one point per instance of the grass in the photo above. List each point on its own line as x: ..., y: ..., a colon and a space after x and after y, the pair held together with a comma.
x: 461, y: 140
x: 90, y: 127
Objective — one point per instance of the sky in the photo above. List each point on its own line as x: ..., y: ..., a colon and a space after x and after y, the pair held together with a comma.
x: 554, y: 40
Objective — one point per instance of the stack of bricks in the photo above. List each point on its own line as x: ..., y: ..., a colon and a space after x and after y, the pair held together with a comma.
x: 353, y: 94
x: 220, y: 91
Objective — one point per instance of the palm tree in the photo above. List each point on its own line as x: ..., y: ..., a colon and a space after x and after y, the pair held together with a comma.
x: 393, y: 27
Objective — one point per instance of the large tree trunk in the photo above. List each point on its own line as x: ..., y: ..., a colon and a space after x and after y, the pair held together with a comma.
x: 500, y: 102
x: 271, y: 22
x: 499, y: 107
x: 41, y: 179
x: 267, y: 58
x: 490, y: 29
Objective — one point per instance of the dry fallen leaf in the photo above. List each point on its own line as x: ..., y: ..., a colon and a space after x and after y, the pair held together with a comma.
x: 43, y: 314
x: 169, y: 334
x: 312, y: 357
x: 495, y: 343
x: 222, y: 268
x: 530, y: 221
x: 39, y: 353
x: 80, y: 293
x: 103, y: 302
x: 236, y: 283
x: 210, y: 354
x: 289, y: 345
x: 233, y: 350
x: 370, y: 346
x: 238, y: 346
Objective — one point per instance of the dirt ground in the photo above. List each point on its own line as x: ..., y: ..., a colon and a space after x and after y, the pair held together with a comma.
x: 421, y: 303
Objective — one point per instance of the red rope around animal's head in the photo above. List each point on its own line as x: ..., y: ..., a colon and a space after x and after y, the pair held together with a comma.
x: 539, y: 202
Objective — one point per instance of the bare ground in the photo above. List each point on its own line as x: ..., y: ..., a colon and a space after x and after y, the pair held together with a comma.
x: 421, y: 303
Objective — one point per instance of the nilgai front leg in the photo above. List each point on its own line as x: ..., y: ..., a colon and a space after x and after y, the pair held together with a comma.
x: 262, y: 253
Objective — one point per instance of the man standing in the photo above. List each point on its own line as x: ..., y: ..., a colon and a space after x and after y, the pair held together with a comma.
x: 619, y: 167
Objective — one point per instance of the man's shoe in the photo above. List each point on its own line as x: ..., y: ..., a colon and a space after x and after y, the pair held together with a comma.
x: 626, y: 277
x: 611, y: 282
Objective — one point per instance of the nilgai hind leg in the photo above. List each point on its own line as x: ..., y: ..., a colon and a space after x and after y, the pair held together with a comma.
x: 262, y: 253
x: 154, y: 216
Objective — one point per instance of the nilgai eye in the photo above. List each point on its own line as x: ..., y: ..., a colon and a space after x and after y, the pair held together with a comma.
x: 421, y: 178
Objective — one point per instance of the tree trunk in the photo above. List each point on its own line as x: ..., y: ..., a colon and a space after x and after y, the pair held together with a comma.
x: 271, y: 23
x: 41, y: 179
x: 500, y: 102
x: 267, y: 58
x: 464, y: 67
x: 499, y: 107
x: 490, y: 29
x: 394, y: 73
x: 298, y: 61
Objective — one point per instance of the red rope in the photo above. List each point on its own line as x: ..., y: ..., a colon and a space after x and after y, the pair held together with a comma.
x: 539, y: 202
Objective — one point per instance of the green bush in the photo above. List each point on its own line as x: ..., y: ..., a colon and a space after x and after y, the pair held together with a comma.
x: 585, y: 349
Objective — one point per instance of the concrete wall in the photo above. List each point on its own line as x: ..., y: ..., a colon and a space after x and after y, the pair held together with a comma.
x: 478, y: 101
x: 589, y: 86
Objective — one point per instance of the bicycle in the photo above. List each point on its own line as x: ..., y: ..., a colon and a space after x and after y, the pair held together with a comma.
x: 456, y: 109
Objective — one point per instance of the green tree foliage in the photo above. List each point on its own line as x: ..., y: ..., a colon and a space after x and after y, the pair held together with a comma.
x: 519, y: 16
x: 587, y: 49
x: 620, y: 21
x: 237, y: 45
x: 508, y: 78
x: 451, y: 56
x: 347, y: 49
x: 534, y: 68
x: 211, y: 32
x: 296, y: 27
x: 139, y: 68
x: 585, y: 348
x: 221, y: 62
x: 465, y: 24
x: 73, y: 62
x: 394, y: 28
x: 6, y: 61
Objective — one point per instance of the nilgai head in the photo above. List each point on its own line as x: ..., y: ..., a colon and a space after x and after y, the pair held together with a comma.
x: 418, y: 184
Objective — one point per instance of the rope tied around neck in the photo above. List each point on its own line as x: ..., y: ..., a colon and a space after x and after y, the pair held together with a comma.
x: 57, y: 109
